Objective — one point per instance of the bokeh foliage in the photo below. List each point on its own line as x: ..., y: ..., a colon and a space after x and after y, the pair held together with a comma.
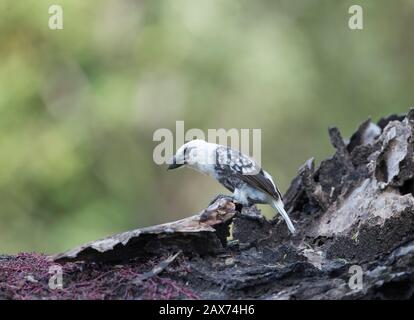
x: 78, y: 106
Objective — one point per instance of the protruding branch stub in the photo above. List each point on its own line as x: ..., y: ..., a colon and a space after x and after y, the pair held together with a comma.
x: 312, y: 189
x: 342, y: 152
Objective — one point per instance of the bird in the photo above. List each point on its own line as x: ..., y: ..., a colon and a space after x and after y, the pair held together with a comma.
x: 237, y: 172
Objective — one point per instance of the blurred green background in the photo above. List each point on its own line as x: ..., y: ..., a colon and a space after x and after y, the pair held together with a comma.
x: 79, y: 106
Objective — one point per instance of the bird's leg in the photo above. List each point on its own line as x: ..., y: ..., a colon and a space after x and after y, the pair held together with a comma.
x: 221, y: 196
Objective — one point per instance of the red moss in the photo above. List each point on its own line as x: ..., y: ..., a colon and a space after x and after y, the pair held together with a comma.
x: 26, y: 276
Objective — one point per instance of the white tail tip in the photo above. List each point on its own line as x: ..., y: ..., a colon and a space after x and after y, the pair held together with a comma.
x: 278, y: 205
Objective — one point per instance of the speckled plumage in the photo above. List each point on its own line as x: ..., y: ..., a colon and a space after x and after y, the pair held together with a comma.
x: 237, y: 172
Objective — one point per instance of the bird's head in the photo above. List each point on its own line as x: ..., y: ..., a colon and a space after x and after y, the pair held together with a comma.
x: 190, y: 153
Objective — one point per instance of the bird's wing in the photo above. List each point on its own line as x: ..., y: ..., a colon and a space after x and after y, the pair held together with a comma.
x: 236, y: 164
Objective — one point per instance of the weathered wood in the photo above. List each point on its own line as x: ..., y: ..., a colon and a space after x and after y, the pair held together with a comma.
x: 204, y: 233
x: 356, y: 208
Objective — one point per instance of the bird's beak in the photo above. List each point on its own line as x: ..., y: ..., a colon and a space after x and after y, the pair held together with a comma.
x: 173, y: 164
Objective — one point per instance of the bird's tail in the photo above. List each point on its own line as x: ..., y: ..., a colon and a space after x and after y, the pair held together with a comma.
x: 278, y: 205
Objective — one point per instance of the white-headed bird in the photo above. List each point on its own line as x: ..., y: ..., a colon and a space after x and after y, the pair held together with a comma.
x: 237, y: 172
